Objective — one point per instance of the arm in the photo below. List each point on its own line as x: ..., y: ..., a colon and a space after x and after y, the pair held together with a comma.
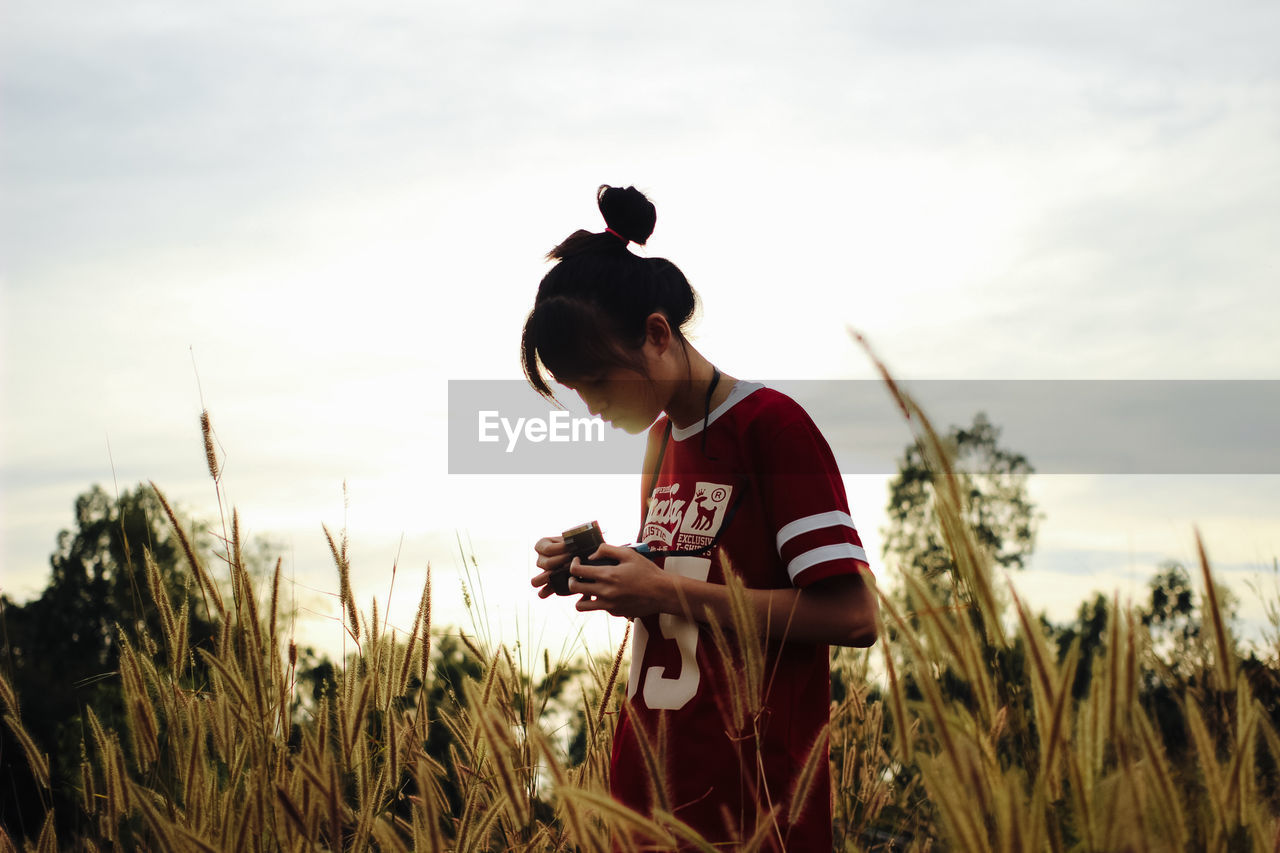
x: 840, y: 610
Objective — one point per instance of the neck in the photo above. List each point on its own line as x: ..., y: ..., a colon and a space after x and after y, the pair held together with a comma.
x: 688, y: 404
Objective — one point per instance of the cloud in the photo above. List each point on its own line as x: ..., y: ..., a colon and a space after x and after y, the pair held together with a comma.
x: 340, y: 207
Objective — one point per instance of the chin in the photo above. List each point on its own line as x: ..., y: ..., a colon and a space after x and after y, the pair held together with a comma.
x: 632, y: 426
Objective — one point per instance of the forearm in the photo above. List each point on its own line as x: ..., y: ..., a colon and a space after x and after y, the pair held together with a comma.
x: 839, y: 611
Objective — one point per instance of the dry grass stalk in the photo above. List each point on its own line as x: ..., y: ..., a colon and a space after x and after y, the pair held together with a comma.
x: 345, y: 595
x: 425, y: 608
x: 1226, y: 660
x: 860, y: 788
x: 407, y: 661
x: 814, y: 764
x: 654, y: 765
x: 477, y: 835
x: 142, y: 725
x: 505, y: 758
x: 1165, y: 791
x: 736, y: 715
x: 749, y: 638
x: 623, y: 819
x: 1055, y: 772
x: 273, y: 610
x: 48, y: 840
x: 577, y: 825
x: 353, y: 718
x: 88, y: 788
x: 292, y: 813
x: 897, y: 695
x: 427, y: 834
x: 210, y: 454
x: 36, y: 759
x: 334, y: 808
x: 929, y: 688
x: 159, y: 825
x: 607, y: 693
x: 1054, y: 741
x: 1042, y: 665
x: 972, y: 564
x: 160, y: 596
x: 692, y: 840
x: 8, y: 698
x: 208, y: 588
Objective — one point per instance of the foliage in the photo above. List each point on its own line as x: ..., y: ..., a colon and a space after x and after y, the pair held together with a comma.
x: 977, y: 733
x: 230, y: 737
x: 61, y: 651
x: 1012, y: 751
x: 991, y: 483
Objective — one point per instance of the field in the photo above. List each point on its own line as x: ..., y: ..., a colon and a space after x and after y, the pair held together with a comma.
x: 970, y: 726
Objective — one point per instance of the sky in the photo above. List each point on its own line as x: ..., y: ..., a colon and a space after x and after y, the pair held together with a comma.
x: 310, y: 217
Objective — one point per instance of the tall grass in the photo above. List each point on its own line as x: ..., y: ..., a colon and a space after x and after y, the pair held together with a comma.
x: 961, y: 732
x: 1018, y: 762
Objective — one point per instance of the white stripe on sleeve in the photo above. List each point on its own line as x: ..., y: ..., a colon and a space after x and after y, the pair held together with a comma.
x: 835, y: 518
x: 842, y: 551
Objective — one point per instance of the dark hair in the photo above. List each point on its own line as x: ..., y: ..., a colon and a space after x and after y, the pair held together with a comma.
x: 590, y: 311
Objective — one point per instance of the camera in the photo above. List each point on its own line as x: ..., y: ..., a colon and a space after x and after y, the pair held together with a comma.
x: 581, y: 542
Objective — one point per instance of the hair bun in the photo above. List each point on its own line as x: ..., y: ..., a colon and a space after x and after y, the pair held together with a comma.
x: 627, y: 211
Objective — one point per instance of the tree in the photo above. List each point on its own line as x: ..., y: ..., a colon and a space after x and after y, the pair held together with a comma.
x: 60, y: 651
x: 997, y: 507
x: 1173, y: 662
x: 1089, y: 630
x: 1174, y: 621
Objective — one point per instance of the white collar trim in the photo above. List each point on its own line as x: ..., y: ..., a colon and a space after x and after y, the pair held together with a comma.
x: 740, y: 391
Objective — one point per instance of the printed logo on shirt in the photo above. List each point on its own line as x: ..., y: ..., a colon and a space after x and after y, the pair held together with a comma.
x: 706, y: 511
x: 665, y: 512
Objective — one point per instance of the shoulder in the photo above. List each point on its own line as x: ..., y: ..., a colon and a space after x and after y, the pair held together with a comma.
x: 780, y: 437
x: 766, y: 414
x: 765, y: 406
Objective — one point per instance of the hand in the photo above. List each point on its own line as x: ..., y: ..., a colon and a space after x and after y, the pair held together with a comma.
x: 634, y: 587
x: 551, y: 551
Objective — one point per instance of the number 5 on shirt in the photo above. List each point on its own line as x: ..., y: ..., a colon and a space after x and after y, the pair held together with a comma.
x: 661, y: 692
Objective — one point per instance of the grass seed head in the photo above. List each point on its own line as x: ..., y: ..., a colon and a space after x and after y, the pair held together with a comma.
x: 210, y: 453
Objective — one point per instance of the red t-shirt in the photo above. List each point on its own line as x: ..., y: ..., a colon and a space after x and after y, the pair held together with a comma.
x: 766, y: 468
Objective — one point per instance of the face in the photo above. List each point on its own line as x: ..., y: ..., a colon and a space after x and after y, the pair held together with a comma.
x: 626, y: 399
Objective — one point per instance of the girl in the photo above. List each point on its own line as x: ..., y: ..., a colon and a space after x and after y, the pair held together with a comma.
x: 737, y: 480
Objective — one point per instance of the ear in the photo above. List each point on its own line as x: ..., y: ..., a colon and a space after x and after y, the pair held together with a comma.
x: 657, y: 332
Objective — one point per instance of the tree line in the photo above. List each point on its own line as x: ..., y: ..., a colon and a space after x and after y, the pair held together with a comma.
x: 61, y: 650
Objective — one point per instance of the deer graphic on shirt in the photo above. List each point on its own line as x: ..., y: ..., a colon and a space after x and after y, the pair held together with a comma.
x: 706, y: 512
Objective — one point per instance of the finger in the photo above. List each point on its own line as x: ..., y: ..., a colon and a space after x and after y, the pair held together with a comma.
x: 551, y: 563
x: 612, y: 552
x: 540, y: 579
x: 577, y: 570
x: 588, y: 603
x: 595, y: 574
x: 550, y: 546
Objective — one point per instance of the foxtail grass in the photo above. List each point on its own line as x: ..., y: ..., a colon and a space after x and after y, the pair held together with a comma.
x: 964, y: 731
